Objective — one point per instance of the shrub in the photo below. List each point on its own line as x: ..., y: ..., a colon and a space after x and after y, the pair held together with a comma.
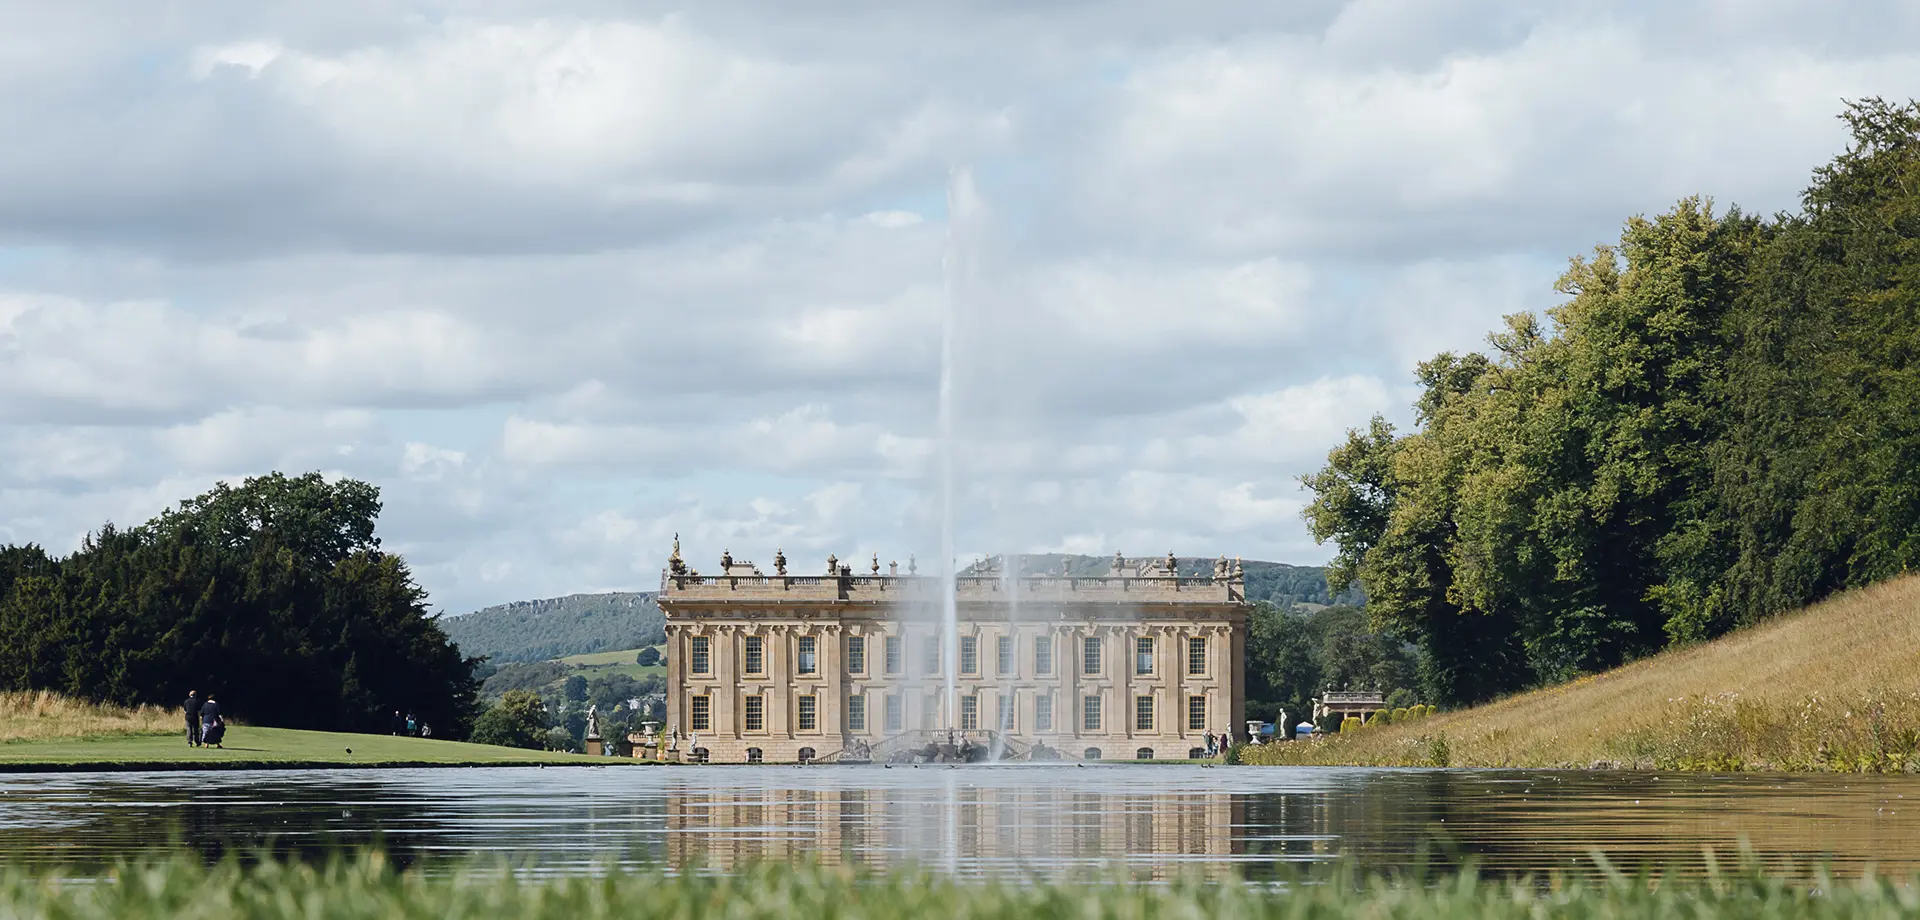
x: 518, y: 720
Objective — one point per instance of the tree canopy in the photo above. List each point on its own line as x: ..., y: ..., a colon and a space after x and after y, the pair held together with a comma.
x: 274, y: 594
x: 1718, y: 424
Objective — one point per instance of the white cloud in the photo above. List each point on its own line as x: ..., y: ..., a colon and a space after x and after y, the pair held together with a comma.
x: 568, y: 278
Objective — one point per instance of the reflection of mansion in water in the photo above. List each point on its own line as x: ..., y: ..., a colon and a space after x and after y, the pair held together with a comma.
x: 1137, y: 663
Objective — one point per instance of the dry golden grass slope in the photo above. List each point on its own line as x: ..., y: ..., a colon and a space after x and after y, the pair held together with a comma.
x: 43, y: 716
x: 1835, y: 686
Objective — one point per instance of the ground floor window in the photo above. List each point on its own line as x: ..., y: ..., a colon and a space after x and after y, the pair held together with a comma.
x: 1196, y: 753
x: 756, y: 713
x: 856, y: 713
x: 1196, y: 713
x: 1004, y: 711
x: 809, y: 713
x: 929, y: 711
x: 969, y: 713
x: 1090, y: 714
x: 895, y: 717
x: 1090, y: 754
x: 1043, y: 713
x: 1143, y: 754
x: 702, y: 717
x: 754, y: 755
x: 1143, y: 713
x: 700, y: 755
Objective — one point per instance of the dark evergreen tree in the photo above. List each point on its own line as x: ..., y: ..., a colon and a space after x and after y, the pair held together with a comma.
x: 274, y: 594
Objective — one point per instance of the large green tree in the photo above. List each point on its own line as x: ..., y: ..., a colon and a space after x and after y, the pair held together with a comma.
x: 1722, y: 421
x: 274, y: 594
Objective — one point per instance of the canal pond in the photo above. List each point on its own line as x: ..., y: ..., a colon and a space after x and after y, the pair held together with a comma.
x: 1007, y: 821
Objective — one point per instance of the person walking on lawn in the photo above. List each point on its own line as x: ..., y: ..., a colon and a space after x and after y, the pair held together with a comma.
x: 193, y: 718
x: 213, y: 728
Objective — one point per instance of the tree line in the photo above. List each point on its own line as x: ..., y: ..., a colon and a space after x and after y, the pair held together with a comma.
x: 275, y: 595
x: 1721, y: 422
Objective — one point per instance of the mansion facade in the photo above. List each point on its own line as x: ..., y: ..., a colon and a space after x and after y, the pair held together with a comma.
x: 1138, y: 663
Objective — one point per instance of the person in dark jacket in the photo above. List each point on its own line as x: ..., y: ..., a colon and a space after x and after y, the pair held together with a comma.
x: 193, y: 718
x: 213, y: 729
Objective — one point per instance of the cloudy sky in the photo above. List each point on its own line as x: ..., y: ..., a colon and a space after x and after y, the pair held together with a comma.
x: 564, y: 278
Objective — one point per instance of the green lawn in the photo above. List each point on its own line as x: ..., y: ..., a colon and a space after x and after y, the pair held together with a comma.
x: 596, y: 664
x: 621, y: 656
x: 248, y: 746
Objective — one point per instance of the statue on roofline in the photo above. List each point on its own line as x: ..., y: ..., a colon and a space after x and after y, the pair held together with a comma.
x: 779, y: 562
x: 675, y: 564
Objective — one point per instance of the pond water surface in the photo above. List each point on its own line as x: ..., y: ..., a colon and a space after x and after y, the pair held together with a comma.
x: 1153, y: 820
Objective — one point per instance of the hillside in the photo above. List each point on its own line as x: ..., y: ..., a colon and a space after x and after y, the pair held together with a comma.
x: 1832, y: 687
x: 557, y: 627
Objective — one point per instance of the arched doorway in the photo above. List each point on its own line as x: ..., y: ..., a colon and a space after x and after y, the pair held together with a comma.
x: 806, y: 755
x: 700, y: 755
x: 754, y: 755
x: 1090, y: 754
x: 1143, y: 754
x: 1196, y: 753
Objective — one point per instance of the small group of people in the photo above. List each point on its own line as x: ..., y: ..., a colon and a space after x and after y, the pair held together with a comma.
x: 1218, y: 744
x: 205, y: 726
x: 408, y: 725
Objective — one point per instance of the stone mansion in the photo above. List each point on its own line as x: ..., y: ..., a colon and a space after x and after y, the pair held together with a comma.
x: 1138, y: 663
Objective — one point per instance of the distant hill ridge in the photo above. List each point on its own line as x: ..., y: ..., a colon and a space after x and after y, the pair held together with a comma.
x: 580, y: 624
x: 556, y: 627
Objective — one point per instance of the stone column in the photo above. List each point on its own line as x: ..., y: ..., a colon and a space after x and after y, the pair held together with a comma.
x: 1066, y: 664
x: 779, y: 651
x: 726, y: 677
x: 833, y: 684
x: 1237, y: 675
x: 676, y: 676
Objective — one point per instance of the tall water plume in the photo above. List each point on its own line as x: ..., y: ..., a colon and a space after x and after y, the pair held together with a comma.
x: 962, y: 213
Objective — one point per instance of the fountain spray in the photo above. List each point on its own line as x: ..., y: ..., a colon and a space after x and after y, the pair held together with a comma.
x: 960, y: 209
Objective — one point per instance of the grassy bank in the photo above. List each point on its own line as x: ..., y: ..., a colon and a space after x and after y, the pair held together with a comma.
x: 248, y: 747
x: 44, y: 731
x: 367, y: 888
x: 42, y: 716
x: 1833, y: 687
x: 622, y: 661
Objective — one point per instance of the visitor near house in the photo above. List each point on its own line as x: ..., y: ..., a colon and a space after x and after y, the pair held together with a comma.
x: 193, y: 718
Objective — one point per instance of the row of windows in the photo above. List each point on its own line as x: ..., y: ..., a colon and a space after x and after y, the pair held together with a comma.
x: 807, y: 656
x: 808, y: 713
